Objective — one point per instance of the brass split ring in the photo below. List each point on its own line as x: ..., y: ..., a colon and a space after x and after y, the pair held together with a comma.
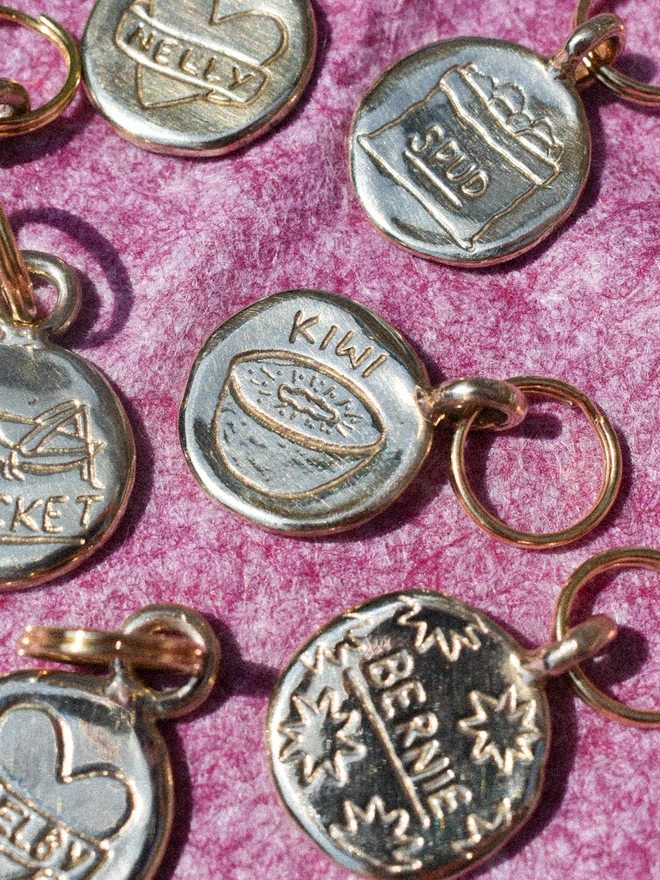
x: 610, y: 482
x: 624, y: 557
x: 160, y: 637
x: 21, y: 123
x: 625, y: 86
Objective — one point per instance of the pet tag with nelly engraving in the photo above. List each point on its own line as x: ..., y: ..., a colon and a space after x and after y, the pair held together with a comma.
x: 410, y: 735
x: 67, y: 457
x: 306, y: 412
x: 470, y: 151
x: 201, y: 77
x: 85, y: 781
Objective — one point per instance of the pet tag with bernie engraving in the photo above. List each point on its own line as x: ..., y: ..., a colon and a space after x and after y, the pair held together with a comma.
x: 85, y: 782
x: 67, y: 457
x: 197, y: 77
x: 308, y: 413
x: 471, y: 151
x: 410, y: 735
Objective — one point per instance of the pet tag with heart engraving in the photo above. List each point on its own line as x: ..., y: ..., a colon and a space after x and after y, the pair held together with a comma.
x: 201, y: 77
x: 85, y: 782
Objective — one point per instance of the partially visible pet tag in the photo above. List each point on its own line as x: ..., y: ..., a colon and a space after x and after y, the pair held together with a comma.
x: 472, y: 150
x: 85, y: 782
x: 308, y: 413
x: 202, y: 77
x: 67, y: 456
x: 410, y: 736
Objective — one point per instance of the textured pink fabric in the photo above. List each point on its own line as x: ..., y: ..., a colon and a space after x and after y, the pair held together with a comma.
x: 168, y: 248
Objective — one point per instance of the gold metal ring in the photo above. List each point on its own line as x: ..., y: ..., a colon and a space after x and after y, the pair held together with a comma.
x: 193, y: 627
x: 34, y: 119
x: 624, y: 557
x: 624, y: 86
x: 612, y: 468
x: 500, y: 405
x: 17, y: 301
x: 148, y: 650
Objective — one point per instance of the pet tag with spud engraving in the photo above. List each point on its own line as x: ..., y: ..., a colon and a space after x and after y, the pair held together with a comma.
x: 410, y: 735
x: 471, y: 151
x: 85, y: 781
x: 306, y: 412
x: 67, y: 457
x: 198, y: 77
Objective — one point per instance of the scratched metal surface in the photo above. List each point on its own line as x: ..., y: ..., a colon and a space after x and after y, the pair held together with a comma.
x: 167, y: 249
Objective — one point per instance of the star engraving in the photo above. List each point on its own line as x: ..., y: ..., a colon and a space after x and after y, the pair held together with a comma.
x: 354, y: 641
x: 478, y: 828
x: 323, y: 738
x: 502, y: 730
x: 379, y: 836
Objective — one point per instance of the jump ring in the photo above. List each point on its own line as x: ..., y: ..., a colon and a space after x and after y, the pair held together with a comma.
x: 625, y: 557
x: 599, y: 40
x: 609, y: 487
x: 100, y: 647
x: 179, y: 619
x: 65, y: 281
x: 626, y: 87
x: 500, y: 405
x: 54, y: 32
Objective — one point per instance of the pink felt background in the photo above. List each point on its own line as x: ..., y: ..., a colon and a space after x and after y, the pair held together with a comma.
x: 168, y: 248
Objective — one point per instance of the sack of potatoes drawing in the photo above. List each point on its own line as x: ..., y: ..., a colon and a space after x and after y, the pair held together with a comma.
x: 289, y: 426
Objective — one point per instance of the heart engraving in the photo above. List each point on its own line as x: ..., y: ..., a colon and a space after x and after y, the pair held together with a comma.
x: 55, y: 818
x: 221, y: 55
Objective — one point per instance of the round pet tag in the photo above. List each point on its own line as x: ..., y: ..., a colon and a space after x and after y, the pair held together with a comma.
x: 470, y: 151
x: 85, y: 781
x: 67, y: 456
x: 307, y: 413
x: 200, y: 77
x: 301, y: 413
x: 410, y: 735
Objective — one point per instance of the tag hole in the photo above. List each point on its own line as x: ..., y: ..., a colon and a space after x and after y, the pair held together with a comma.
x: 44, y: 294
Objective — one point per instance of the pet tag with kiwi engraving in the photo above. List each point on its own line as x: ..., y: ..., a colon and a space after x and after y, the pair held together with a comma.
x: 472, y: 150
x: 85, y: 781
x: 67, y: 457
x: 300, y: 412
x: 197, y: 77
x: 306, y: 412
x: 409, y: 737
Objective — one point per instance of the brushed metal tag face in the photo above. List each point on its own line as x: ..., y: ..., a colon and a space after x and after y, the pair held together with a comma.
x: 301, y: 413
x: 197, y: 76
x: 67, y: 458
x: 83, y: 786
x: 404, y: 738
x: 470, y: 151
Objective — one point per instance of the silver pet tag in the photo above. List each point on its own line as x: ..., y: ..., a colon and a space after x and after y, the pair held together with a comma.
x: 409, y: 736
x: 470, y: 151
x: 307, y: 413
x: 198, y: 77
x: 290, y: 418
x: 67, y: 456
x: 85, y: 781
